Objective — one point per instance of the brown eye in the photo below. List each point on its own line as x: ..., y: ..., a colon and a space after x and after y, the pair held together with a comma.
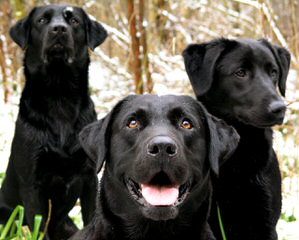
x: 133, y: 124
x: 73, y: 21
x: 186, y: 124
x: 241, y: 73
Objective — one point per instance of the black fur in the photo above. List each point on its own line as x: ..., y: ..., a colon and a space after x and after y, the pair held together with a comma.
x: 157, y: 152
x: 236, y: 80
x: 47, y: 161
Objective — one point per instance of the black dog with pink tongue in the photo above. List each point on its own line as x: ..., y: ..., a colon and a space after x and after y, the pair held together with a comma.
x: 159, y: 152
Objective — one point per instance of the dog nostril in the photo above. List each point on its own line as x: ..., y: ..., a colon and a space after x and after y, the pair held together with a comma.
x: 171, y: 150
x: 154, y: 150
x: 59, y: 29
x: 162, y: 146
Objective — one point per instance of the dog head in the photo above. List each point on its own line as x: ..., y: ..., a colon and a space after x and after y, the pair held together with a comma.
x: 57, y: 32
x: 158, y: 152
x: 237, y: 79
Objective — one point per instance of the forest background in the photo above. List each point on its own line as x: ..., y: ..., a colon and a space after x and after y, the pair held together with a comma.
x: 143, y: 55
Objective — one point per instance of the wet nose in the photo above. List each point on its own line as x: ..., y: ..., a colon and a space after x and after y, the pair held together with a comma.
x: 58, y: 29
x: 162, y: 145
x: 278, y: 108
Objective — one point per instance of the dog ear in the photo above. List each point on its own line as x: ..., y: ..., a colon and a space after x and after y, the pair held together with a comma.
x: 200, y: 62
x: 20, y: 32
x: 224, y: 140
x: 93, y: 139
x: 95, y: 32
x: 283, y: 58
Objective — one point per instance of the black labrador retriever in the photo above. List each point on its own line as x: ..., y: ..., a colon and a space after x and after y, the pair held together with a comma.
x: 47, y: 161
x: 159, y: 152
x: 236, y: 80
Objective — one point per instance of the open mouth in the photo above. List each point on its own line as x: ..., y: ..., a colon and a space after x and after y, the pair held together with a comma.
x: 159, y: 191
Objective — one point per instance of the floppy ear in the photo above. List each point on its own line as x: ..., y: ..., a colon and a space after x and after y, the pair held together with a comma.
x: 200, y: 62
x: 223, y: 142
x: 95, y: 32
x: 20, y: 32
x: 283, y: 58
x: 93, y: 139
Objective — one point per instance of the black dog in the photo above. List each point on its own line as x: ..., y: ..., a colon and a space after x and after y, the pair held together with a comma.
x: 236, y: 80
x: 159, y: 152
x: 47, y: 162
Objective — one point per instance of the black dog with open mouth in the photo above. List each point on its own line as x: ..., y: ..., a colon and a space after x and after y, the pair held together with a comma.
x: 158, y: 153
x: 47, y: 161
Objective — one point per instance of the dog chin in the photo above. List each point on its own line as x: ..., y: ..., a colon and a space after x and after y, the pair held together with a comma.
x: 260, y: 123
x: 58, y: 53
x: 160, y: 213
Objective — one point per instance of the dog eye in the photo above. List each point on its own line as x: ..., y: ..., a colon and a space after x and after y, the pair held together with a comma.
x: 73, y: 21
x: 241, y: 73
x: 43, y: 20
x: 134, y: 124
x: 186, y: 124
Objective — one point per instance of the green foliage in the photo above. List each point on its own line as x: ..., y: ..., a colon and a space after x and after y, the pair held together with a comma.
x: 221, y: 223
x: 2, y: 176
x: 288, y: 218
x: 14, y: 228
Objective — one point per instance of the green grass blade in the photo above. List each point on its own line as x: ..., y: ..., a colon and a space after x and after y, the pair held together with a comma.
x: 13, y: 228
x: 10, y: 222
x: 221, y: 223
x: 41, y: 236
x: 21, y: 219
x: 37, y: 224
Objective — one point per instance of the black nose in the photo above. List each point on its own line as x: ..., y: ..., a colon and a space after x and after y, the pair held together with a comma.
x: 162, y: 145
x: 58, y: 29
x: 277, y: 108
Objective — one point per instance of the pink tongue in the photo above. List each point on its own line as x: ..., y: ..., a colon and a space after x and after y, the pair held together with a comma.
x: 160, y: 195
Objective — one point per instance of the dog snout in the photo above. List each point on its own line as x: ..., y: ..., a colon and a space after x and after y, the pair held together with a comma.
x: 162, y: 145
x: 58, y: 29
x: 277, y: 108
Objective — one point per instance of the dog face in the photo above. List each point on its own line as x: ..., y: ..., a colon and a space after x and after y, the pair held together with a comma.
x: 57, y: 32
x: 237, y: 79
x: 158, y: 152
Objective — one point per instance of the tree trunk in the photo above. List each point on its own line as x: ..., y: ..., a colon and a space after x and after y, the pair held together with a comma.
x: 149, y: 81
x: 135, y: 61
x: 161, y: 20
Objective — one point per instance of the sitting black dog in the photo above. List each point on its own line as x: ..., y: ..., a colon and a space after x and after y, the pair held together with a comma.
x: 236, y: 80
x: 47, y: 161
x: 159, y: 152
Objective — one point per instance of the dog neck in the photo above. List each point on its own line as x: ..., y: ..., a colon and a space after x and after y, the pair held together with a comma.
x: 58, y: 79
x: 55, y: 90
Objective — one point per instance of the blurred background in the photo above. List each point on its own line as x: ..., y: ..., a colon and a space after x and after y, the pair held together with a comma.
x: 143, y: 55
